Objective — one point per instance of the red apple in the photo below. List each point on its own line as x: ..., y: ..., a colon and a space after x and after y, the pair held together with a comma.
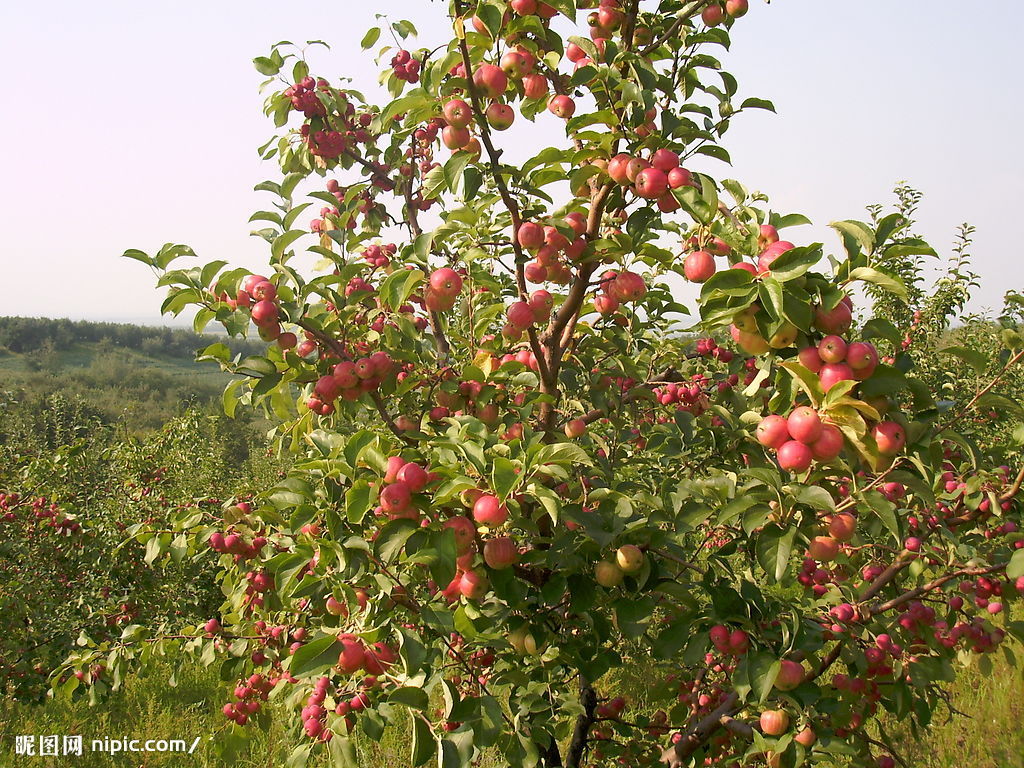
x: 794, y: 456
x: 458, y: 113
x: 773, y: 431
x: 500, y: 116
x: 535, y: 86
x: 829, y: 445
x: 699, y: 266
x: 713, y: 15
x: 832, y: 349
x: 530, y: 235
x: 488, y: 510
x: 651, y: 183
x: 823, y: 548
x: 804, y: 424
x: 791, y: 674
x: 774, y: 722
x: 890, y: 437
x: 562, y: 106
x: 841, y: 527
x: 490, y: 80
x: 500, y: 552
x: 832, y: 373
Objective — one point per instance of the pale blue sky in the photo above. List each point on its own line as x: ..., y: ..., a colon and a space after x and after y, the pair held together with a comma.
x: 131, y: 124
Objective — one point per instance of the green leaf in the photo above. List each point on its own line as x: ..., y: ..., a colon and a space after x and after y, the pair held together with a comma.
x: 773, y: 549
x: 562, y: 453
x: 882, y: 280
x: 817, y: 497
x: 880, y: 328
x: 794, y: 262
x: 407, y: 103
x: 503, y: 477
x: 315, y: 656
x: 370, y: 38
x: 392, y: 538
x: 134, y: 253
x: 860, y: 233
x: 282, y: 241
x: 753, y: 103
x: 409, y: 696
x: 807, y: 380
x: 567, y: 7
x: 266, y: 66
x: 1015, y: 568
x: 885, y: 510
x: 424, y: 744
x: 358, y: 501
x: 789, y: 220
x: 973, y: 357
x: 399, y: 285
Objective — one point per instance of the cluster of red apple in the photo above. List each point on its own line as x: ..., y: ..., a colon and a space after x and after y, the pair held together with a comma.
x: 402, y: 480
x: 551, y: 249
x: 349, y: 380
x: 42, y: 509
x: 233, y: 544
x: 715, y: 14
x: 728, y: 642
x: 709, y: 348
x: 248, y: 694
x: 984, y: 588
x: 800, y: 438
x: 462, y: 401
x: 380, y: 255
x: 259, y: 295
x: 406, y: 67
x: 304, y: 98
x: 443, y: 288
x: 835, y: 360
x: 330, y: 140
x: 651, y: 179
x: 521, y: 315
x: 259, y: 581
x: 618, y: 288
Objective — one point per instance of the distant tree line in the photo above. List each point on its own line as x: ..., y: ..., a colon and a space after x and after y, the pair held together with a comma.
x: 25, y: 334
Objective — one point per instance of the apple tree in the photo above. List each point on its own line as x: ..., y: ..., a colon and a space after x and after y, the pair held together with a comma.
x: 522, y: 468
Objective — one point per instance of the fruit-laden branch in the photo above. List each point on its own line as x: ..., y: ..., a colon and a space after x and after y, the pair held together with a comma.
x: 414, y: 605
x: 378, y: 401
x: 682, y: 17
x: 412, y: 217
x: 931, y: 586
x: 494, y: 163
x: 699, y: 733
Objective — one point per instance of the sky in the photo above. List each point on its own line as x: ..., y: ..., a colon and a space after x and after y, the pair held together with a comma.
x: 128, y: 125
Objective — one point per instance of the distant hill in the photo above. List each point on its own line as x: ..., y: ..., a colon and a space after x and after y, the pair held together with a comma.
x: 130, y: 374
x: 24, y: 334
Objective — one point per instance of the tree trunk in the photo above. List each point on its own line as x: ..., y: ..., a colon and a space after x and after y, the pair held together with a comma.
x: 578, y: 744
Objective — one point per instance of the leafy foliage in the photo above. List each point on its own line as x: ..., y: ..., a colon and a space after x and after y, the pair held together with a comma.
x: 498, y: 496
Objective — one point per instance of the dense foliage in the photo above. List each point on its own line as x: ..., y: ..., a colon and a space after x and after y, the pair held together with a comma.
x: 498, y: 495
x: 70, y: 487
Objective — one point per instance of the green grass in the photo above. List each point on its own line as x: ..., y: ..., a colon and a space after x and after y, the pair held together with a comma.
x: 990, y: 737
x: 147, y: 708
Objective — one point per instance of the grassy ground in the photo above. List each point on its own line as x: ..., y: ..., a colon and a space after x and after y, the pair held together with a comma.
x: 149, y: 709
